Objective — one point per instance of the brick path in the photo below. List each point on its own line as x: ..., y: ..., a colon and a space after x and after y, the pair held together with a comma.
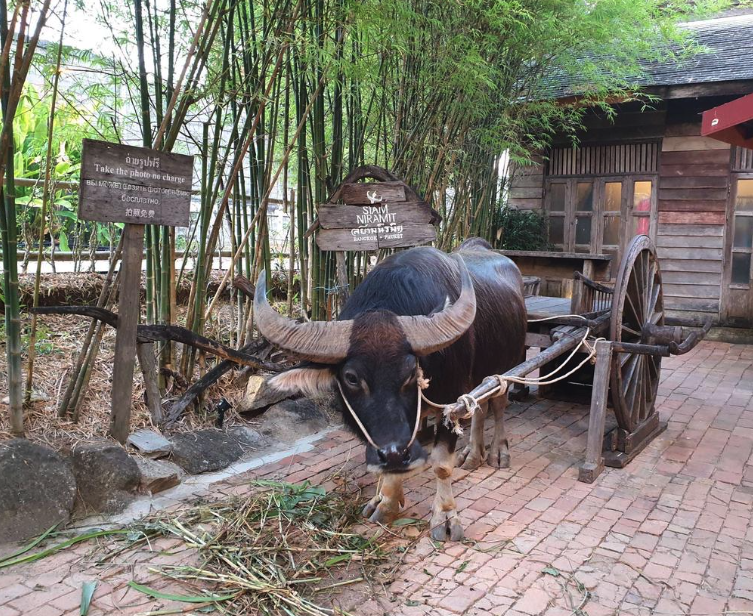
x: 672, y: 534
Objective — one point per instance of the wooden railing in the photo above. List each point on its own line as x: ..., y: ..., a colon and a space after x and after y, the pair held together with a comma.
x: 590, y: 296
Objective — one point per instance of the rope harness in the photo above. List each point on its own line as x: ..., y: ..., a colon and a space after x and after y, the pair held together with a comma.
x: 422, y: 383
x: 469, y: 402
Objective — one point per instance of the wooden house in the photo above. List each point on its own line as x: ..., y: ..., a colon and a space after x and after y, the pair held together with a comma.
x: 653, y: 170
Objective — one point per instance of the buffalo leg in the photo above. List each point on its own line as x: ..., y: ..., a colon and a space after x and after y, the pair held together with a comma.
x: 385, y: 506
x: 474, y: 453
x: 499, y: 452
x: 444, y: 520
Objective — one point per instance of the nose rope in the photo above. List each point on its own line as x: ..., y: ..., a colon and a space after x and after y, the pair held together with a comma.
x: 355, y: 417
x: 422, y: 384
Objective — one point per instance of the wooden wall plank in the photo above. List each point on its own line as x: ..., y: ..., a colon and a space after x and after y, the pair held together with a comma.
x: 690, y: 230
x: 698, y: 291
x: 691, y: 304
x: 527, y: 181
x: 518, y: 192
x: 690, y: 241
x: 705, y: 157
x: 689, y: 318
x: 692, y: 206
x: 689, y: 170
x: 687, y: 143
x: 691, y: 265
x: 683, y: 277
x: 526, y: 204
x: 692, y: 218
x: 687, y: 253
x: 694, y: 182
x: 688, y: 193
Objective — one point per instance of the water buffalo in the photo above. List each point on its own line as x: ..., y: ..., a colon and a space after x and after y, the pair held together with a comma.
x: 455, y: 318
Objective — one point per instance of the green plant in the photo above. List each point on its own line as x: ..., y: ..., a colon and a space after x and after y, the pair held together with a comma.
x: 522, y: 230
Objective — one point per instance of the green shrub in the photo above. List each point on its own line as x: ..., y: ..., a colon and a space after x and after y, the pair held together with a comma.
x: 522, y: 230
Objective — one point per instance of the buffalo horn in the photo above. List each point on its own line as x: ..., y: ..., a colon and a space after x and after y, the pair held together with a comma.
x: 317, y: 341
x: 427, y: 334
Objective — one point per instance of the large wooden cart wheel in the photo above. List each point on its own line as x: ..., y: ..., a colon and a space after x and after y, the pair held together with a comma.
x: 637, y: 302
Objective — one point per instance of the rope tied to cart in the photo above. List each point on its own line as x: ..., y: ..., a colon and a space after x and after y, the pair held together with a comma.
x: 472, y: 404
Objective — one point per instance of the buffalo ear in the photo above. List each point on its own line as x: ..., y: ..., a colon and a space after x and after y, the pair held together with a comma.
x: 308, y: 381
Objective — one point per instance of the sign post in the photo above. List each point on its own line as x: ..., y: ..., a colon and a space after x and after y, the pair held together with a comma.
x: 375, y: 215
x: 136, y: 186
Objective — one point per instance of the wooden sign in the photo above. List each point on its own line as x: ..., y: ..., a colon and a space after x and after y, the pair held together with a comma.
x: 123, y: 183
x: 375, y: 215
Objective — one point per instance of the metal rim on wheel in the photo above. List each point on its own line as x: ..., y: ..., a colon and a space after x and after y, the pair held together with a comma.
x: 637, y: 301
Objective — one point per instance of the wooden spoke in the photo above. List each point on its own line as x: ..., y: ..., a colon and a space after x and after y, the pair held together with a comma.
x: 637, y: 301
x: 635, y: 311
x: 629, y: 372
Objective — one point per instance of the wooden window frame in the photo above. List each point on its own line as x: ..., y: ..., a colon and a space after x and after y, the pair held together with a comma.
x: 598, y: 213
x: 564, y: 214
x: 733, y: 218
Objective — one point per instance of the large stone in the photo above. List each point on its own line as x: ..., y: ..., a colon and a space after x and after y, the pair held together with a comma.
x: 106, y: 476
x: 37, y: 490
x: 205, y: 450
x: 150, y: 443
x: 250, y: 439
x: 289, y: 420
x: 258, y: 395
x: 158, y: 475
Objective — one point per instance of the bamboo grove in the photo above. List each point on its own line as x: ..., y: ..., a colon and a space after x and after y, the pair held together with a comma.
x: 285, y: 97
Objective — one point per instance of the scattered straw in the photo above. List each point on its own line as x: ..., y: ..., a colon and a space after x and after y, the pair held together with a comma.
x: 283, y: 549
x: 59, y: 340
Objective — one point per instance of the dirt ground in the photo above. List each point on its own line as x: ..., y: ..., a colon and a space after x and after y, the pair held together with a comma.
x: 59, y: 341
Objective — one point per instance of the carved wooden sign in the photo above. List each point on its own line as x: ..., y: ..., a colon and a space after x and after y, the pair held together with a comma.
x: 123, y: 183
x: 375, y: 215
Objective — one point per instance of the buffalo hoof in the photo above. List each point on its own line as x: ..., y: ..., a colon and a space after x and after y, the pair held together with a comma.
x: 469, y: 460
x: 446, y: 526
x: 381, y: 511
x: 498, y: 459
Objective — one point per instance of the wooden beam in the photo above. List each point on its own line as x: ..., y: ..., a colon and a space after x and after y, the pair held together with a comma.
x: 125, y: 342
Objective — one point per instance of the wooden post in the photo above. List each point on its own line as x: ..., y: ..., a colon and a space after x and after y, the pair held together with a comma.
x: 125, y: 342
x: 594, y: 463
x: 145, y: 351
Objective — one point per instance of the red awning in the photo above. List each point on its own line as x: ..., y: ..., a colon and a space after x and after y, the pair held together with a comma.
x: 731, y: 122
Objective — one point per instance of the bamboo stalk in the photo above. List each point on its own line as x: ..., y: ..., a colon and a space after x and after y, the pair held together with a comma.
x: 43, y: 214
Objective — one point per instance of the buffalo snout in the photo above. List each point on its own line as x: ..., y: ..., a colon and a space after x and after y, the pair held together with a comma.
x: 395, y: 457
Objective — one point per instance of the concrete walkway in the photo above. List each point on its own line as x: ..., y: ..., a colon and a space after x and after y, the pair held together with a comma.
x: 672, y: 534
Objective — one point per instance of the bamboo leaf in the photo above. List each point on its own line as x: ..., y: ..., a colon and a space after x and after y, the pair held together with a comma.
x: 29, y: 546
x: 87, y: 592
x: 408, y: 522
x: 60, y: 546
x: 181, y: 598
x: 337, y: 560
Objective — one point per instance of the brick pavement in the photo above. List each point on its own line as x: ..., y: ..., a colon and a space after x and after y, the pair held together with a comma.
x: 672, y: 534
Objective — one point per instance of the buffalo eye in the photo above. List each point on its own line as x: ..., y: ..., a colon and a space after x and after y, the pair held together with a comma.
x: 351, y: 378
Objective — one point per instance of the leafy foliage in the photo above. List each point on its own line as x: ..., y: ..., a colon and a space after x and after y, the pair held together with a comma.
x: 522, y: 230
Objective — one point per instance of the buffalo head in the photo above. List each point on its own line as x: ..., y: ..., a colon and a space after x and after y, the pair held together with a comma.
x: 372, y: 360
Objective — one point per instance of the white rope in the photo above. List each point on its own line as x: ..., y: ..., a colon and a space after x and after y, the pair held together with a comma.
x: 355, y: 417
x: 422, y: 383
x: 472, y: 404
x: 558, y: 316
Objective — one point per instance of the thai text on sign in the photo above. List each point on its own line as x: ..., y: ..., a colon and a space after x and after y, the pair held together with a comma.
x: 375, y: 215
x: 121, y: 183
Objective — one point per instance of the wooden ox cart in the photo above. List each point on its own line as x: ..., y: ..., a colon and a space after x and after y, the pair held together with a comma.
x: 618, y: 337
